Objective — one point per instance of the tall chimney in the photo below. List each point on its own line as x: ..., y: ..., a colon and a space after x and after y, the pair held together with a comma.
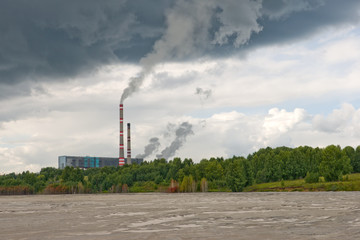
x: 121, y: 146
x: 128, y: 145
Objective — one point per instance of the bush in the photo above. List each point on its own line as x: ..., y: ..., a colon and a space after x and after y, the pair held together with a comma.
x: 159, y: 179
x: 312, y: 177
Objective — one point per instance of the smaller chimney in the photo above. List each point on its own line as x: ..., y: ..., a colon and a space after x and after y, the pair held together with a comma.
x: 128, y: 161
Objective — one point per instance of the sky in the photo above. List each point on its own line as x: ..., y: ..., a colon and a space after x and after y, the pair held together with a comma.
x: 198, y: 79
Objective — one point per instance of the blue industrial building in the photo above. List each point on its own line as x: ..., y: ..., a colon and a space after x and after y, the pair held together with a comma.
x: 91, y: 162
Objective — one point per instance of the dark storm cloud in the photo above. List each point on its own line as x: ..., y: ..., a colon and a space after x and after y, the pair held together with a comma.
x: 285, y: 21
x: 281, y: 9
x: 316, y: 16
x: 41, y: 39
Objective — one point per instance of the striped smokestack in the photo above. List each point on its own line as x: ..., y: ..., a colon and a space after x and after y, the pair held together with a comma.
x: 128, y: 161
x: 121, y: 146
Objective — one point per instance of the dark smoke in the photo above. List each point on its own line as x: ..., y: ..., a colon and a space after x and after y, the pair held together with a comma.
x: 153, y: 146
x: 170, y: 129
x: 182, y: 132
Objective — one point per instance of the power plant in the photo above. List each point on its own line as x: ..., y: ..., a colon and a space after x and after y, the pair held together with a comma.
x: 95, y: 162
x: 91, y: 162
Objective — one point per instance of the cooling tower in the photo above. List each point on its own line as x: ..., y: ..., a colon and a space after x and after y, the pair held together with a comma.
x: 128, y: 161
x: 121, y: 146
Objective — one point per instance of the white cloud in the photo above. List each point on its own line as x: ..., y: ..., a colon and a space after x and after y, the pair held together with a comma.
x: 279, y: 122
x: 343, y: 121
x: 342, y: 51
x: 234, y: 133
x: 336, y: 121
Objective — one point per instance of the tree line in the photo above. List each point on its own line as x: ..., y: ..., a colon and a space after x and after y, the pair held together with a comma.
x: 215, y: 174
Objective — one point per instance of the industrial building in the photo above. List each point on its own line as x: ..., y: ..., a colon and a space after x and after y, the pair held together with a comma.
x: 91, y: 162
x: 96, y: 162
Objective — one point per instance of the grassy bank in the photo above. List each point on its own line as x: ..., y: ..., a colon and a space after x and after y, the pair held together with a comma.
x: 350, y: 182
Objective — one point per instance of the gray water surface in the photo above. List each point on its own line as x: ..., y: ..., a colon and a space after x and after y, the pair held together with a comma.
x: 320, y: 215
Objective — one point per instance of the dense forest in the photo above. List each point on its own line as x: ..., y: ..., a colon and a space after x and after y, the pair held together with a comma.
x: 216, y: 174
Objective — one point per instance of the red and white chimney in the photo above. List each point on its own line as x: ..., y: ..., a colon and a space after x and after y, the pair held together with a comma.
x: 121, y: 146
x: 128, y: 161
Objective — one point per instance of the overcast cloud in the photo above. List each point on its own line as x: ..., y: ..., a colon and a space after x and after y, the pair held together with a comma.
x: 243, y: 74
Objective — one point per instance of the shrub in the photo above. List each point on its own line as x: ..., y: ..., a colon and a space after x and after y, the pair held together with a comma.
x: 312, y: 177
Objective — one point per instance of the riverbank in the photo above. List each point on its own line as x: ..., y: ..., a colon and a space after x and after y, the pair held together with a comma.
x: 350, y: 182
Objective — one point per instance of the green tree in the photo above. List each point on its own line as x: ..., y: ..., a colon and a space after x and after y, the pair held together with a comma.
x: 351, y: 154
x: 258, y: 161
x: 200, y: 169
x: 29, y: 178
x: 127, y: 179
x: 187, y: 184
x: 273, y: 167
x: 70, y: 174
x: 356, y: 161
x: 236, y: 175
x: 214, y: 171
x: 174, y: 167
x: 96, y: 181
x: 110, y: 181
x: 335, y: 163
x: 294, y: 165
x: 51, y: 173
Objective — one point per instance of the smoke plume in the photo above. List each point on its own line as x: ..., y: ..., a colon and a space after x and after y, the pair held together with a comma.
x: 203, y: 93
x: 186, y: 31
x: 134, y: 85
x: 153, y: 146
x: 181, y: 133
